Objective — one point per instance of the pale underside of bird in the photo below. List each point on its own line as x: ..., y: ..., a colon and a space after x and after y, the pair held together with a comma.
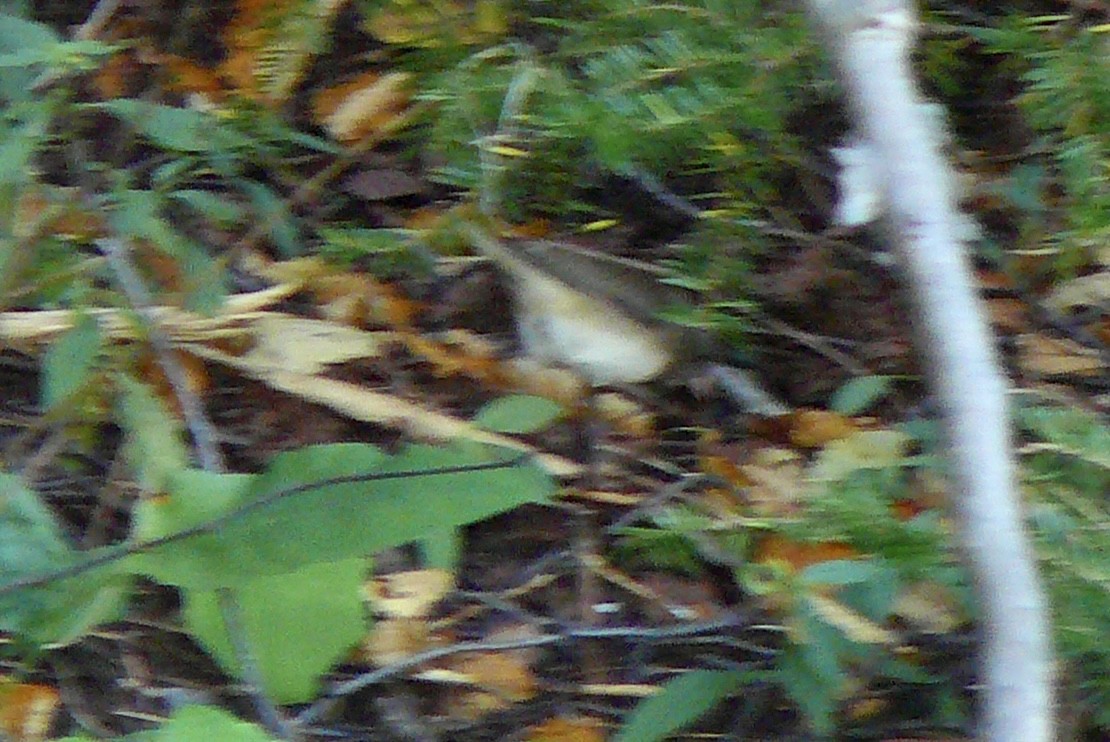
x: 600, y: 316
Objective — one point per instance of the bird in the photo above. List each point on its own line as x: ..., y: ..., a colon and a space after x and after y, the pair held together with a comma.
x: 600, y: 315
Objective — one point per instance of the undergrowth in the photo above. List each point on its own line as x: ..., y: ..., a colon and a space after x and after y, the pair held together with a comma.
x: 706, y: 106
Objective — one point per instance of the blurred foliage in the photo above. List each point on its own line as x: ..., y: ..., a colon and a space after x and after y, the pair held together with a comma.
x: 1056, y: 67
x: 1067, y: 472
x: 534, y: 107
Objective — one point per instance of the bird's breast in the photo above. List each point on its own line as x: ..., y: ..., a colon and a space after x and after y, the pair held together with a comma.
x: 591, y: 336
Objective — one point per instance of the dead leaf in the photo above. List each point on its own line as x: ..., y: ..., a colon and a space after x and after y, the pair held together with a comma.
x: 854, y: 625
x: 567, y: 729
x: 499, y: 680
x: 409, y: 594
x: 815, y: 428
x: 777, y: 483
x: 372, y: 105
x: 368, y: 406
x: 797, y: 554
x: 1008, y: 314
x: 26, y: 710
x: 624, y: 414
x: 307, y: 346
x: 929, y: 607
x: 394, y: 640
x: 1045, y: 356
x: 1091, y: 290
x: 196, y: 377
x: 867, y: 449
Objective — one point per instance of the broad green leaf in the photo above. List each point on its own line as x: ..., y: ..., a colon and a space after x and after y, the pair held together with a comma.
x: 20, y: 139
x: 196, y: 498
x: 859, y: 394
x: 18, y: 33
x: 313, y: 521
x: 19, y: 36
x: 296, y: 626
x: 31, y: 545
x: 682, y: 702
x: 205, y: 724
x: 194, y: 723
x: 154, y: 445
x: 178, y: 129
x: 519, y: 413
x: 69, y: 364
x: 811, y: 693
x: 442, y: 549
x: 66, y: 56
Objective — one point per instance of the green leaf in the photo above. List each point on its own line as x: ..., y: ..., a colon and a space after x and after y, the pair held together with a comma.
x: 20, y: 139
x: 273, y: 214
x: 218, y: 207
x: 204, y: 724
x: 194, y: 723
x: 154, y: 445
x: 31, y: 545
x: 1076, y: 431
x: 169, y: 127
x: 137, y: 214
x: 18, y: 36
x: 69, y: 364
x: 518, y: 414
x: 296, y: 626
x: 442, y: 550
x: 196, y: 497
x: 859, y: 394
x: 839, y: 572
x: 811, y: 692
x: 682, y: 702
x: 324, y: 522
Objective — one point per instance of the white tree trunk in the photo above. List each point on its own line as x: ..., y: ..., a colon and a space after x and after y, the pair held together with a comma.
x: 870, y: 42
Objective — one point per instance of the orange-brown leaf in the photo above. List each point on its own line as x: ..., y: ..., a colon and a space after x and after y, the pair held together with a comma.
x: 26, y: 710
x: 814, y: 428
x: 799, y: 555
x: 567, y: 729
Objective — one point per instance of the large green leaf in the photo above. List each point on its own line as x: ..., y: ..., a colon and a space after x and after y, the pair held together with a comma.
x: 518, y: 413
x: 197, y: 498
x: 194, y: 724
x: 31, y: 544
x: 19, y: 36
x: 302, y: 515
x: 296, y: 626
x: 173, y: 128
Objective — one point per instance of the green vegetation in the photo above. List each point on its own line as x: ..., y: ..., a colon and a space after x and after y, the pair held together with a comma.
x: 712, y: 102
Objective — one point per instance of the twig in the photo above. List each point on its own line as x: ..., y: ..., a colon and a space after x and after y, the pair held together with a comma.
x: 817, y: 344
x: 97, y: 19
x: 628, y: 633
x: 267, y: 710
x: 204, y: 434
x: 870, y: 41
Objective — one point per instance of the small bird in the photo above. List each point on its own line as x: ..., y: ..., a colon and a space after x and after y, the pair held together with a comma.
x: 599, y: 315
